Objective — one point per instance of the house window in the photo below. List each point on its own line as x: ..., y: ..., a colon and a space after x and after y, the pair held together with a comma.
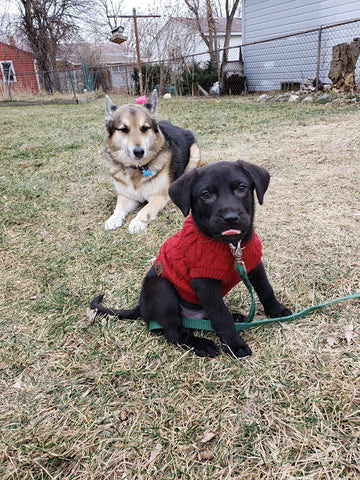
x: 8, y: 72
x: 118, y: 69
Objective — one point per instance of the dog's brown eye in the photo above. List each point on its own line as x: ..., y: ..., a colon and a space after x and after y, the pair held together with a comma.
x: 205, y: 195
x: 241, y: 188
x: 123, y: 129
x: 144, y: 128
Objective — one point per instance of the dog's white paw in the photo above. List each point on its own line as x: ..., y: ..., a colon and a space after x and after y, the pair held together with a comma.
x: 113, y: 223
x: 137, y: 225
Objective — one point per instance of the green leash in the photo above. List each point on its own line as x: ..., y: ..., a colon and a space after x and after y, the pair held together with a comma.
x: 203, y: 324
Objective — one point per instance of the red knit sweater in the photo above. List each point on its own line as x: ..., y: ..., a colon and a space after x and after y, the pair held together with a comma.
x: 189, y: 254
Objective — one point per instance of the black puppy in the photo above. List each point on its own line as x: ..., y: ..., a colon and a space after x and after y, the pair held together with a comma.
x: 195, y: 267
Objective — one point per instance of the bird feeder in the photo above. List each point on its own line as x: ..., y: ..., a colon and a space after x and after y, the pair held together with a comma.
x: 117, y: 35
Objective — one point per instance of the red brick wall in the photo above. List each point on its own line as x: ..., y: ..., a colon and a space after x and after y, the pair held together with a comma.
x: 23, y: 63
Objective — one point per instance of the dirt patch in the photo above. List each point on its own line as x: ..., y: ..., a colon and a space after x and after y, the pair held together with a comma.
x: 29, y: 103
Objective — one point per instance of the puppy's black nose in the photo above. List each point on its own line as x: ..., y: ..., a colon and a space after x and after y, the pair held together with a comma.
x: 230, y: 217
x: 138, y: 152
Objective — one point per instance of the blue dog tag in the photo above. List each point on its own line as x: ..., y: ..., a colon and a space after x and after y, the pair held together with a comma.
x: 147, y: 172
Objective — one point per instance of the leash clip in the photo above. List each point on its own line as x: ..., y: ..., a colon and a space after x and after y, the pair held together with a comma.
x: 236, y: 250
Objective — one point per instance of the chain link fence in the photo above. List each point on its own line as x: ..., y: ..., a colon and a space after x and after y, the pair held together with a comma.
x: 282, y: 63
x: 293, y: 59
x: 287, y: 62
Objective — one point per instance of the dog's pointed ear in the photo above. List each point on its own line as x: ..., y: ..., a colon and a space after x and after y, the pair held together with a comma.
x: 259, y: 175
x: 109, y: 107
x: 151, y: 104
x: 109, y: 110
x: 180, y: 191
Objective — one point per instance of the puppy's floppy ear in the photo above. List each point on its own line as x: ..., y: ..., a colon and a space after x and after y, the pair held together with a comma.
x: 259, y: 175
x: 180, y: 191
x: 109, y: 110
x: 151, y: 104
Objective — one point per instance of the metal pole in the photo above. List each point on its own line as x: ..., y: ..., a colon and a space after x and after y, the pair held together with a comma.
x: 138, y: 53
x: 134, y: 16
x: 318, y: 59
x: 73, y: 86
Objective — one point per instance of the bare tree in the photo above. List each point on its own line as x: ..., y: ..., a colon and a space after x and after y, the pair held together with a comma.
x: 230, y: 11
x: 112, y: 10
x: 46, y: 23
x: 7, y: 24
x: 219, y: 7
x: 210, y: 9
x: 201, y: 11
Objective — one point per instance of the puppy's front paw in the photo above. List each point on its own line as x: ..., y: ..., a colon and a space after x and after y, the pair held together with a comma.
x: 202, y: 347
x: 277, y: 310
x: 238, y: 349
x: 113, y: 222
x: 238, y: 317
x: 137, y: 225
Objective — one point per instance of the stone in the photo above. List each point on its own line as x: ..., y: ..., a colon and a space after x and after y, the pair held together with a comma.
x: 323, y: 99
x: 263, y: 98
x: 293, y: 98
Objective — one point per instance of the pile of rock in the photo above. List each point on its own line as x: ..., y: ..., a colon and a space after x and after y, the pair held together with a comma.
x: 304, y: 96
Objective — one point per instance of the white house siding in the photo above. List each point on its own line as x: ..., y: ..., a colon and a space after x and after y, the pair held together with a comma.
x: 200, y: 48
x: 293, y: 59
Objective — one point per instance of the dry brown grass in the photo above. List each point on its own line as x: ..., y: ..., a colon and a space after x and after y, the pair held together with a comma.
x: 108, y: 400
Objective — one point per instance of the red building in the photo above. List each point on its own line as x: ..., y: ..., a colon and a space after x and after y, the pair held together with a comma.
x: 17, y: 70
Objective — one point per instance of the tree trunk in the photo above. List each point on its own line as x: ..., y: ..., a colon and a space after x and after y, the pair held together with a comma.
x: 229, y: 20
x: 343, y: 63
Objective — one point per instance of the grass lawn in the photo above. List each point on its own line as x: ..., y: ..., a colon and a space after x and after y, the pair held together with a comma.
x: 105, y: 399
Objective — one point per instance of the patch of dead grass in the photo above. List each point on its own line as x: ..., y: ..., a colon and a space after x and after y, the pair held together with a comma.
x: 102, y: 399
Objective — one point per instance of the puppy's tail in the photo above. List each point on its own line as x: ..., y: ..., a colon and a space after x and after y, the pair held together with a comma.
x: 131, y: 314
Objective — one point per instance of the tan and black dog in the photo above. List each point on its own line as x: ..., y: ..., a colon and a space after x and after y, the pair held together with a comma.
x: 195, y: 267
x: 144, y: 157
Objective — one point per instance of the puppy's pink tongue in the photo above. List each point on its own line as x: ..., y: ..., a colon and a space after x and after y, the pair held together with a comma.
x: 231, y: 232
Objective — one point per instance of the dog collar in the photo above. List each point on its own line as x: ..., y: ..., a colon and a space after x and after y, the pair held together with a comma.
x: 144, y: 169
